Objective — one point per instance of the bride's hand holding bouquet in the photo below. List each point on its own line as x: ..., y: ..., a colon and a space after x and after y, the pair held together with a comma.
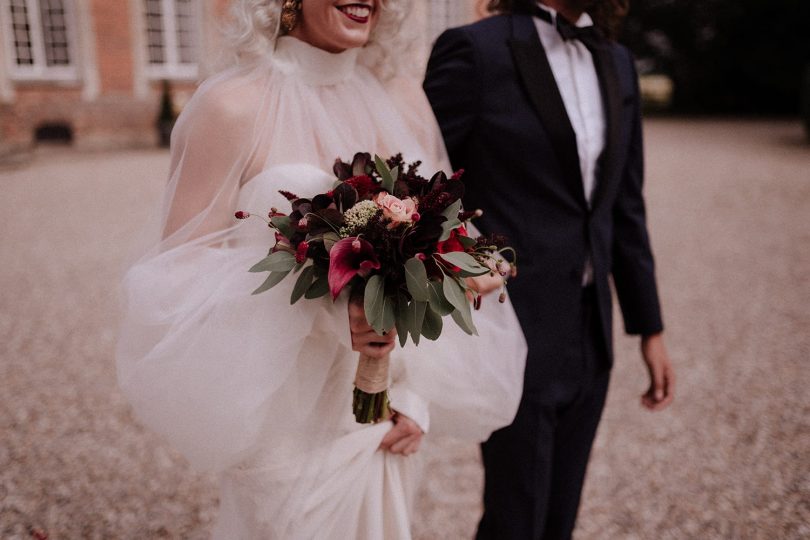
x: 399, y: 241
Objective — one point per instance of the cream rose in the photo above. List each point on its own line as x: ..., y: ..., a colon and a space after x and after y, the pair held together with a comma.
x: 397, y: 210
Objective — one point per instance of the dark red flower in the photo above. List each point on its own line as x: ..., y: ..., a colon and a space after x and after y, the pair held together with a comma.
x: 289, y: 196
x: 301, y: 252
x: 452, y: 244
x: 242, y: 215
x: 364, y: 185
x: 350, y: 257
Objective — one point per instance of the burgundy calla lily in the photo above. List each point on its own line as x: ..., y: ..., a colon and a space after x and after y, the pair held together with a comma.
x: 348, y: 258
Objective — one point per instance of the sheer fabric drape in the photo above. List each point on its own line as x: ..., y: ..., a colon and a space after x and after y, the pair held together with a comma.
x: 257, y: 390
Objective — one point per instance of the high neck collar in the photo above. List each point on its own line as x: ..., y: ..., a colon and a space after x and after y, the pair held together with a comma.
x: 313, y: 65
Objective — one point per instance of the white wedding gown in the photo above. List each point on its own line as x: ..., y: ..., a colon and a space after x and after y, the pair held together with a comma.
x: 259, y: 391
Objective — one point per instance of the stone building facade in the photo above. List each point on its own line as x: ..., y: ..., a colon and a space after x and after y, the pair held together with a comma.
x: 91, y: 72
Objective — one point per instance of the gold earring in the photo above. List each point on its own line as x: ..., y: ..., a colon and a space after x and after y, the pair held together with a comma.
x: 289, y: 15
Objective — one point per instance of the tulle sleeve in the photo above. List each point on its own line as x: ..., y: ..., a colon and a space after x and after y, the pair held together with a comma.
x: 206, y: 365
x: 463, y: 386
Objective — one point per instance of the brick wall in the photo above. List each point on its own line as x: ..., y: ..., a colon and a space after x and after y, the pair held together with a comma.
x: 119, y: 106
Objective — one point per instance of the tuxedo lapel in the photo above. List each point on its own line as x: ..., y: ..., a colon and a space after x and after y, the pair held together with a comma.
x: 538, y: 80
x: 611, y: 98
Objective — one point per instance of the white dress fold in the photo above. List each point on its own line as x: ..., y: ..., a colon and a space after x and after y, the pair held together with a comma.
x: 259, y: 391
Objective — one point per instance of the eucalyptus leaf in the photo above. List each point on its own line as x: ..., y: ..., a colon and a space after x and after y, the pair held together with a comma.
x: 272, y: 280
x: 302, y: 284
x: 451, y: 212
x: 466, y: 262
x: 438, y: 302
x: 280, y: 261
x: 385, y: 174
x: 417, y: 316
x: 282, y: 223
x: 465, y: 325
x: 416, y: 279
x: 329, y: 240
x: 454, y: 292
x: 447, y: 228
x: 432, y: 325
x: 318, y: 288
x: 466, y: 241
x: 402, y: 319
x: 374, y: 302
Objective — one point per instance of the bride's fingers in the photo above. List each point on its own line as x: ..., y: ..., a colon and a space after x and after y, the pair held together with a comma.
x: 390, y: 438
x: 403, y: 445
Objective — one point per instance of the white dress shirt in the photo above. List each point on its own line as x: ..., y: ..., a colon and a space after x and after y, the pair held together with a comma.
x: 572, y: 65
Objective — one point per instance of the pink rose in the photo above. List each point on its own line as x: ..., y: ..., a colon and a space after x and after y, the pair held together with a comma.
x: 398, y: 211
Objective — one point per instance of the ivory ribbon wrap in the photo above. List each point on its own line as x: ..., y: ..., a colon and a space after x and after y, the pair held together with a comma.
x: 372, y: 374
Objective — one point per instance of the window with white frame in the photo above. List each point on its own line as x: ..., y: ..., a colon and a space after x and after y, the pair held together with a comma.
x: 40, y: 38
x: 172, y: 38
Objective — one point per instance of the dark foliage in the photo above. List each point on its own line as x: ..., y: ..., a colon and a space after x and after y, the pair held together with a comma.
x: 724, y: 56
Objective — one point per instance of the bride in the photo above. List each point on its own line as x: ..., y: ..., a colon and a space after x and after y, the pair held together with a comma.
x: 249, y: 387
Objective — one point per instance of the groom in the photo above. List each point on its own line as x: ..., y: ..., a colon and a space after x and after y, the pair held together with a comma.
x: 541, y: 109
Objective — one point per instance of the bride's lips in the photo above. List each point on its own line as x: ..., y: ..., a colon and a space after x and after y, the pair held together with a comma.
x: 360, y: 13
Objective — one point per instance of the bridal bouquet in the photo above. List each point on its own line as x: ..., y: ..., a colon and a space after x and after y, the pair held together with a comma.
x: 398, y: 241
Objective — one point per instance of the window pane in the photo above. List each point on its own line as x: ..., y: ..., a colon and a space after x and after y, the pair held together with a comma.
x: 154, y: 32
x: 54, y: 32
x: 186, y: 34
x: 22, y: 33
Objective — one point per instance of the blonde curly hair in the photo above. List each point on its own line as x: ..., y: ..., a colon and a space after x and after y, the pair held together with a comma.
x: 255, y: 26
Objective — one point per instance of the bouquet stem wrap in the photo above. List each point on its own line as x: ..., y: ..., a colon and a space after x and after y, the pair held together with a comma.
x: 370, y: 404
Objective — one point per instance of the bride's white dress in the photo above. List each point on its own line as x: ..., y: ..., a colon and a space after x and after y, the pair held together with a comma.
x: 259, y: 391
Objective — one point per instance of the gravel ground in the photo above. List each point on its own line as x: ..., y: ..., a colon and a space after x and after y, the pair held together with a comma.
x: 729, y: 205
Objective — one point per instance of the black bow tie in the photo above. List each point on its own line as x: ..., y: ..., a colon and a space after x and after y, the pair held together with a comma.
x: 590, y: 36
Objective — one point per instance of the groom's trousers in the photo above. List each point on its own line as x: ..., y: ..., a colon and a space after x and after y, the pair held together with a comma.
x: 534, y: 468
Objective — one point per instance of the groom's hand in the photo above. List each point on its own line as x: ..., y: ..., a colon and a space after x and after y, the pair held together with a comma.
x: 404, y: 438
x: 364, y: 339
x: 662, y: 376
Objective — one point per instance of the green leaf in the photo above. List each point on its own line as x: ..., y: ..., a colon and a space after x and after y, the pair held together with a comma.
x: 272, y: 280
x: 318, y: 288
x: 466, y: 262
x: 438, y: 302
x: 432, y: 325
x: 463, y: 323
x: 416, y: 279
x: 302, y: 284
x: 454, y: 293
x: 451, y: 213
x: 402, y: 319
x: 329, y: 240
x: 466, y: 241
x: 385, y: 174
x: 280, y: 261
x: 374, y: 302
x: 282, y: 223
x: 417, y: 317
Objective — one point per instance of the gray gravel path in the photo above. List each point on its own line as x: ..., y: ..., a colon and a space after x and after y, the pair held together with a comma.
x: 729, y: 206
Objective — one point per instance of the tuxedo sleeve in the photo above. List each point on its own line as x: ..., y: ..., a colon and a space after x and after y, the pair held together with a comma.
x: 633, y: 265
x: 453, y: 89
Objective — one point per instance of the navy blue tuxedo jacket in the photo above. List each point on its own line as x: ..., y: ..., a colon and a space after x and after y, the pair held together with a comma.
x: 504, y: 122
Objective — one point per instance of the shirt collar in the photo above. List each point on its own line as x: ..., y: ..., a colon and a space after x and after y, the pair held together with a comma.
x: 583, y: 21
